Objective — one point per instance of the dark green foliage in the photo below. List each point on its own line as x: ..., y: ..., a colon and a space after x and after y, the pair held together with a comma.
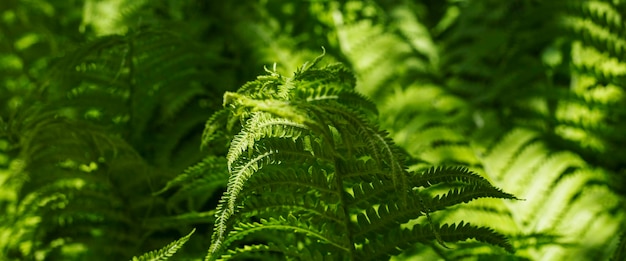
x: 121, y: 131
x: 72, y: 192
x: 134, y: 83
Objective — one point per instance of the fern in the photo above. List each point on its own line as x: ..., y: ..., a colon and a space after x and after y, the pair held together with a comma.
x: 526, y: 163
x: 78, y: 140
x: 166, y: 252
x: 99, y: 132
x: 72, y: 172
x: 312, y: 135
x: 619, y: 251
x: 594, y: 32
x: 133, y: 84
x: 489, y: 83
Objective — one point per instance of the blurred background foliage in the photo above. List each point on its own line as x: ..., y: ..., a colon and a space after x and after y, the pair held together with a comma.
x: 103, y: 101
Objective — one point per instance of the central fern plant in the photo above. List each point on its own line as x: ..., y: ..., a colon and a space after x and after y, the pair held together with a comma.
x: 312, y: 177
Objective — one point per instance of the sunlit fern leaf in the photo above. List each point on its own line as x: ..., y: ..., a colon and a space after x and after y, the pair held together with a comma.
x: 428, y: 123
x: 246, y: 167
x: 307, y: 139
x: 262, y: 125
x: 384, y: 53
x: 598, y: 24
x: 416, y: 34
x: 597, y: 52
x: 505, y: 150
x: 166, y: 252
x: 321, y: 93
x: 361, y: 42
x: 520, y: 163
x: 449, y: 145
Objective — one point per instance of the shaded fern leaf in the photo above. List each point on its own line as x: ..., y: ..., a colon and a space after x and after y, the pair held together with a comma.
x: 75, y: 173
x: 210, y: 167
x: 195, y: 186
x: 215, y: 127
x: 620, y: 250
x: 132, y: 83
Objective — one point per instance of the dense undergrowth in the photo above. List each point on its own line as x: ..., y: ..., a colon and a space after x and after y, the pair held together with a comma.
x: 430, y: 130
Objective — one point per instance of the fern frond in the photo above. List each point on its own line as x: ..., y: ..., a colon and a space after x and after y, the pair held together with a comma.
x: 166, y: 252
x: 404, y: 238
x: 466, y: 194
x: 196, y: 184
x: 133, y: 82
x: 283, y: 203
x: 256, y: 252
x: 463, y: 175
x: 377, y: 220
x: 310, y: 228
x: 215, y: 127
x: 211, y: 167
x: 568, y: 178
x: 263, y: 125
x: 297, y: 177
x: 620, y: 250
x: 73, y: 180
x: 363, y: 194
x: 306, y: 139
x: 464, y: 231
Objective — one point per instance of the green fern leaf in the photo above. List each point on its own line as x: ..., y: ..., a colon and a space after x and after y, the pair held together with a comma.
x: 212, y: 167
x: 434, y: 176
x: 312, y: 135
x: 166, y: 252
